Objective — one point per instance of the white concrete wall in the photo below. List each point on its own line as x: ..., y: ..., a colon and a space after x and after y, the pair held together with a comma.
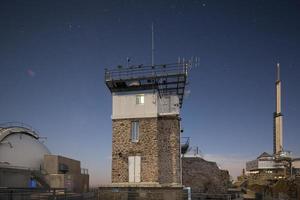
x: 124, y: 105
x: 266, y: 164
x: 168, y: 105
x: 296, y: 164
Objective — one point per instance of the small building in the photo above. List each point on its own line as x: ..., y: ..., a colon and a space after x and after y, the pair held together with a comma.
x: 266, y: 167
x: 263, y: 162
x: 63, y: 172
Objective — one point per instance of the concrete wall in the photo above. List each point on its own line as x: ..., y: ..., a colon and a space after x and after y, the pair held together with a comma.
x: 55, y: 180
x: 124, y: 105
x: 296, y: 164
x: 168, y: 105
x: 158, y: 147
x: 73, y: 180
x: 278, y: 135
x: 51, y: 164
x: 14, y: 177
x: 266, y: 164
x: 261, y: 164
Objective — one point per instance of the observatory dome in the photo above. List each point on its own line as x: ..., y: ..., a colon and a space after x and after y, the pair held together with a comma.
x: 20, y: 147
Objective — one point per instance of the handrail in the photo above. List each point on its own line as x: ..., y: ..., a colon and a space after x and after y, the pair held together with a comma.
x: 137, y: 71
x: 19, y: 125
x: 186, y: 140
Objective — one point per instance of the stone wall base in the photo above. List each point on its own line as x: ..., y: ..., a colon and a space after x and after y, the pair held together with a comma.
x: 149, y: 193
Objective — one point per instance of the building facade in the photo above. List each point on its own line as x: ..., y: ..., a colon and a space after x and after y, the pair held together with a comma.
x: 146, y: 127
x: 266, y: 167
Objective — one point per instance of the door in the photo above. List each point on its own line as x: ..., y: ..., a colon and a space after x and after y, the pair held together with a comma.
x: 137, y: 169
x: 134, y: 169
x: 131, y: 168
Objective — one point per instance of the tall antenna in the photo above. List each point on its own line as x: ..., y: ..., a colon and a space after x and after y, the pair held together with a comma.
x: 152, y: 27
x: 127, y: 61
x: 278, y: 72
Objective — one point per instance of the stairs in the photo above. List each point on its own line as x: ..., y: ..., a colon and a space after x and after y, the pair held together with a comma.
x: 40, y: 178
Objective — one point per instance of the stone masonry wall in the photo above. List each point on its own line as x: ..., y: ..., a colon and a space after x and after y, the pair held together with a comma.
x: 146, y: 147
x: 158, y: 146
x: 142, y: 193
x: 169, y: 154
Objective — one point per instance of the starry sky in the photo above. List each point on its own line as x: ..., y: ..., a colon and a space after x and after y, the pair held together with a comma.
x: 53, y: 55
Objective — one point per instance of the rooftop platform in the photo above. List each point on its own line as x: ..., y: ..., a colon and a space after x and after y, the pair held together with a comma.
x: 166, y: 79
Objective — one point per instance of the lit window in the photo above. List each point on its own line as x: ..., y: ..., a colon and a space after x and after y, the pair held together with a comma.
x: 135, y: 131
x: 140, y: 99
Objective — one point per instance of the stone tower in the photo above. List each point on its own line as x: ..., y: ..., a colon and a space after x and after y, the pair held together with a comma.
x: 146, y: 102
x: 277, y: 135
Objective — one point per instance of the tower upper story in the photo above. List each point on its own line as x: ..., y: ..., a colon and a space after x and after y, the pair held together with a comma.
x: 147, y: 91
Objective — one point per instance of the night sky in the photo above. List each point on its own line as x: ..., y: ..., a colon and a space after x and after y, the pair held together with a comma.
x: 53, y: 55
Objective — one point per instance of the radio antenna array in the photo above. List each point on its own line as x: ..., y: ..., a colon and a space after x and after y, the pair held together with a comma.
x: 193, y: 62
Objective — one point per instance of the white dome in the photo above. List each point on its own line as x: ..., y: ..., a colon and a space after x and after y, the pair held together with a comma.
x: 21, y: 148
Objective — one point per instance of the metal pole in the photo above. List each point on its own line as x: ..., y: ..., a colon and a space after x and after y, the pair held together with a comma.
x: 152, y: 27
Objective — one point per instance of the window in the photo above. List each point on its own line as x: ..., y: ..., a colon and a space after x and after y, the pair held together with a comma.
x: 135, y: 131
x: 140, y: 99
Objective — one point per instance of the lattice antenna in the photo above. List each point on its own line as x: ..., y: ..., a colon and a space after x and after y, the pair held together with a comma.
x: 194, y: 62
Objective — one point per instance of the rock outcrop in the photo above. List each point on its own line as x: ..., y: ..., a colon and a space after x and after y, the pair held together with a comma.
x: 204, y: 176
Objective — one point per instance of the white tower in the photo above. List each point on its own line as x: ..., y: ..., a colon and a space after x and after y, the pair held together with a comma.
x: 277, y: 136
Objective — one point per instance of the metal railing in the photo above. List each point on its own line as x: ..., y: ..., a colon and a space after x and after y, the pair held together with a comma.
x: 99, y: 194
x: 43, y: 194
x: 145, y: 71
x: 19, y: 125
x: 157, y: 194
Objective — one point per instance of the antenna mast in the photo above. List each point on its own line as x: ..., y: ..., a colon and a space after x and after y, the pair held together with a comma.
x: 152, y: 27
x: 278, y: 72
